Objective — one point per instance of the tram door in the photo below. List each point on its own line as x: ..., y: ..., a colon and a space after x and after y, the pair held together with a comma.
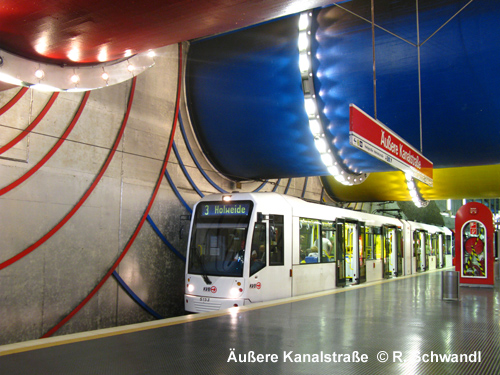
x: 428, y: 250
x: 362, y: 255
x: 392, y: 250
x: 440, y: 251
x: 351, y: 240
x: 419, y: 246
x: 399, y: 252
x: 351, y: 266
x: 340, y: 249
x: 271, y: 265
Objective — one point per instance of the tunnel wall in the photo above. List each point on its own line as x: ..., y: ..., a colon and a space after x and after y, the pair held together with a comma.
x: 40, y: 289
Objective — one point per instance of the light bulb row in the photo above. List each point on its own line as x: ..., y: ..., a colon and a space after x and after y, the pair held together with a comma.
x: 47, y: 77
x: 75, y: 78
x: 412, y: 188
x: 311, y: 106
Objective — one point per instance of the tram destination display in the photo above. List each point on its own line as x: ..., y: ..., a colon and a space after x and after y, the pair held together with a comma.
x: 226, y: 209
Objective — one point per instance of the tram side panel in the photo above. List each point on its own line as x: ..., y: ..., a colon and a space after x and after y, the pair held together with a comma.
x: 280, y: 246
x: 309, y: 277
x: 432, y: 246
x: 408, y: 249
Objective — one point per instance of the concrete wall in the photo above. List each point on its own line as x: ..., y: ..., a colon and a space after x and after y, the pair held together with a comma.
x: 42, y: 288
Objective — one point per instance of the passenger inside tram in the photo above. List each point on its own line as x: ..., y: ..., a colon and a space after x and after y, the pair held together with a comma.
x: 258, y: 254
x: 317, y: 241
x: 312, y: 255
x: 326, y: 246
x: 257, y: 262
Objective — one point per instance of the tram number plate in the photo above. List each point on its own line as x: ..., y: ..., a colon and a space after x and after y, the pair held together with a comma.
x: 204, y: 299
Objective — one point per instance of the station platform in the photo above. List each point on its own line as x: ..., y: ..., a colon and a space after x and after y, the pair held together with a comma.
x: 394, y: 326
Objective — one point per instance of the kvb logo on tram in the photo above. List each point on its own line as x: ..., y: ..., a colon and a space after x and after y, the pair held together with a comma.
x: 212, y: 289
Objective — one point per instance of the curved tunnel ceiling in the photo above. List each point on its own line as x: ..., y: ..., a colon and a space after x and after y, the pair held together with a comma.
x: 459, y: 81
x: 92, y: 31
x: 246, y: 99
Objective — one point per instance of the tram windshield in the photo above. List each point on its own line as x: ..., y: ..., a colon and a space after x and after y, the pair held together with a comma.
x: 218, y: 239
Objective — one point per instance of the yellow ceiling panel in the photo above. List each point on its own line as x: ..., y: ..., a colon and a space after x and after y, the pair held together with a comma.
x: 480, y: 182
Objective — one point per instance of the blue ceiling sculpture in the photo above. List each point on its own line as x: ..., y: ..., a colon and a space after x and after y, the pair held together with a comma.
x: 459, y: 86
x: 247, y: 105
x: 429, y: 76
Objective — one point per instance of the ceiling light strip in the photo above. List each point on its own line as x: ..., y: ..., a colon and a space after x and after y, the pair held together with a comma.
x: 413, y: 190
x: 330, y: 158
x: 49, y: 77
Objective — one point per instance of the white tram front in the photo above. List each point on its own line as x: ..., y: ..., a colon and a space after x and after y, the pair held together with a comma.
x: 236, y: 252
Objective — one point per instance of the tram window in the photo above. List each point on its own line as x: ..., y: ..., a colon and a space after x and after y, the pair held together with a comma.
x: 373, y: 243
x: 333, y: 241
x: 434, y: 244
x: 368, y: 243
x: 327, y: 247
x: 317, y: 241
x: 427, y: 244
x: 416, y: 243
x: 377, y: 243
x: 276, y: 246
x: 309, y: 234
x: 217, y: 250
x: 258, y: 254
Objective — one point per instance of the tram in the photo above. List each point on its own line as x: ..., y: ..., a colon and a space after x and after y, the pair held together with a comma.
x: 251, y: 247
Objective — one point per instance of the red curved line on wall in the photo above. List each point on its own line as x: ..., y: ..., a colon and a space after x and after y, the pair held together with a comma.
x: 13, y: 101
x: 29, y: 249
x: 26, y: 131
x: 146, y: 212
x: 61, y: 140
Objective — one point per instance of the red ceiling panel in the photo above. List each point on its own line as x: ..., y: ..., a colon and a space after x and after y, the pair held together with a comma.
x: 91, y: 31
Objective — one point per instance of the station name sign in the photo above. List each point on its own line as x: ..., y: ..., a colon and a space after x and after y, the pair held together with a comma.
x: 227, y: 209
x: 376, y: 139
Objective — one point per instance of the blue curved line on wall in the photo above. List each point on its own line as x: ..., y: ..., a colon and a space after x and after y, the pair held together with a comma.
x: 148, y: 208
x: 169, y: 245
x: 304, y: 188
x: 261, y: 186
x: 176, y: 191
x: 288, y: 185
x: 184, y: 170
x: 276, y: 185
x: 135, y: 297
x: 196, y: 160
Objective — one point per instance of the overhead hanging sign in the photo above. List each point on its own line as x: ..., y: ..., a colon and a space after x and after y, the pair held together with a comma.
x: 376, y: 139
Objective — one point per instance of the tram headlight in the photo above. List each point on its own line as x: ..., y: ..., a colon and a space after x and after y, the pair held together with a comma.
x: 190, y: 288
x: 234, y: 292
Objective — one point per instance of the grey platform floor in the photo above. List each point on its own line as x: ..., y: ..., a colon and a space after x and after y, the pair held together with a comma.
x: 396, y: 327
